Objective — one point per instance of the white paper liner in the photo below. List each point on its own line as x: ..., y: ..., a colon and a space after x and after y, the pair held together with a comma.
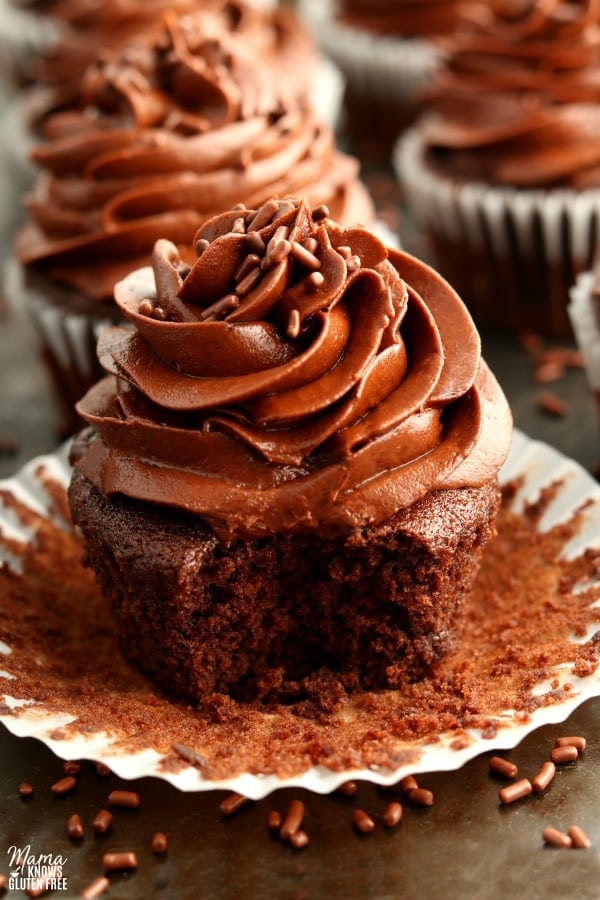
x: 24, y: 33
x: 585, y: 326
x: 373, y: 64
x: 537, y: 464
x: 568, y: 219
x: 68, y: 337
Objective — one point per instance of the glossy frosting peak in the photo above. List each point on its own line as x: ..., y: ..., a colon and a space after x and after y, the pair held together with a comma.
x: 299, y: 375
x: 174, y: 128
x: 516, y: 102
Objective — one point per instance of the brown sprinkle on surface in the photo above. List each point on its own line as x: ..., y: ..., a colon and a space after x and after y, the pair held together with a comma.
x: 102, y: 821
x: 127, y: 799
x: 75, y: 826
x: 263, y: 215
x: 421, y: 797
x: 515, y: 791
x: 504, y: 767
x: 274, y: 820
x: 71, y: 767
x: 124, y: 860
x: 564, y: 754
x: 96, y: 888
x: 576, y: 740
x: 409, y: 784
x: 362, y: 821
x: 392, y: 814
x: 552, y: 404
x: 555, y: 838
x: 579, y: 838
x: 102, y: 769
x: 293, y: 819
x: 544, y: 776
x: 299, y: 839
x: 159, y: 842
x: 63, y: 786
x: 347, y: 788
x: 232, y: 803
x: 25, y: 789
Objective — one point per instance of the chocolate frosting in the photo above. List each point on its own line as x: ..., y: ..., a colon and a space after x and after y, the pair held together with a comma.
x: 408, y: 18
x: 516, y: 102
x: 174, y: 129
x: 298, y: 376
x: 88, y: 26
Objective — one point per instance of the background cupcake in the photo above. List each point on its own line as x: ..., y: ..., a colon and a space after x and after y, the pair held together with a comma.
x: 173, y: 128
x: 503, y: 172
x: 386, y: 50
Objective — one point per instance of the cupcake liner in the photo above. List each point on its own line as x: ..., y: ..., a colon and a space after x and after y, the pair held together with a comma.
x: 584, y: 320
x: 35, y: 497
x: 66, y: 339
x: 384, y: 76
x: 525, y: 247
x: 385, y: 65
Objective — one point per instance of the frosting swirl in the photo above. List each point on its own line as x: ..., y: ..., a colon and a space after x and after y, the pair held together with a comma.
x: 277, y: 35
x: 516, y: 101
x: 407, y: 18
x: 298, y: 376
x: 174, y: 129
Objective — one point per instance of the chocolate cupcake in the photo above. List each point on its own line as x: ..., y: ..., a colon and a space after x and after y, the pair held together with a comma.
x: 83, y: 28
x: 386, y: 50
x: 290, y: 470
x: 504, y: 169
x: 173, y: 129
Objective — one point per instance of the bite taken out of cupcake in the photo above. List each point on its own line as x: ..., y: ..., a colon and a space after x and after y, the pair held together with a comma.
x: 504, y: 168
x: 290, y: 469
x: 182, y: 123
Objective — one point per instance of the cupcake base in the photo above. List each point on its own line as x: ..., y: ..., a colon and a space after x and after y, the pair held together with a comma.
x: 66, y: 326
x: 291, y: 617
x: 511, y: 254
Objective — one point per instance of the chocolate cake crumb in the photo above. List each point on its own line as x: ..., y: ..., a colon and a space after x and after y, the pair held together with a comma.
x: 521, y: 615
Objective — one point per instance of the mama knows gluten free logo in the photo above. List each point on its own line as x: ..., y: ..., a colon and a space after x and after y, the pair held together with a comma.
x: 28, y: 872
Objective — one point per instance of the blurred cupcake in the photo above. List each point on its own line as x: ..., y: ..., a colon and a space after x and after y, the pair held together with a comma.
x: 386, y: 50
x: 83, y: 28
x: 584, y: 313
x: 174, y: 128
x: 502, y: 173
